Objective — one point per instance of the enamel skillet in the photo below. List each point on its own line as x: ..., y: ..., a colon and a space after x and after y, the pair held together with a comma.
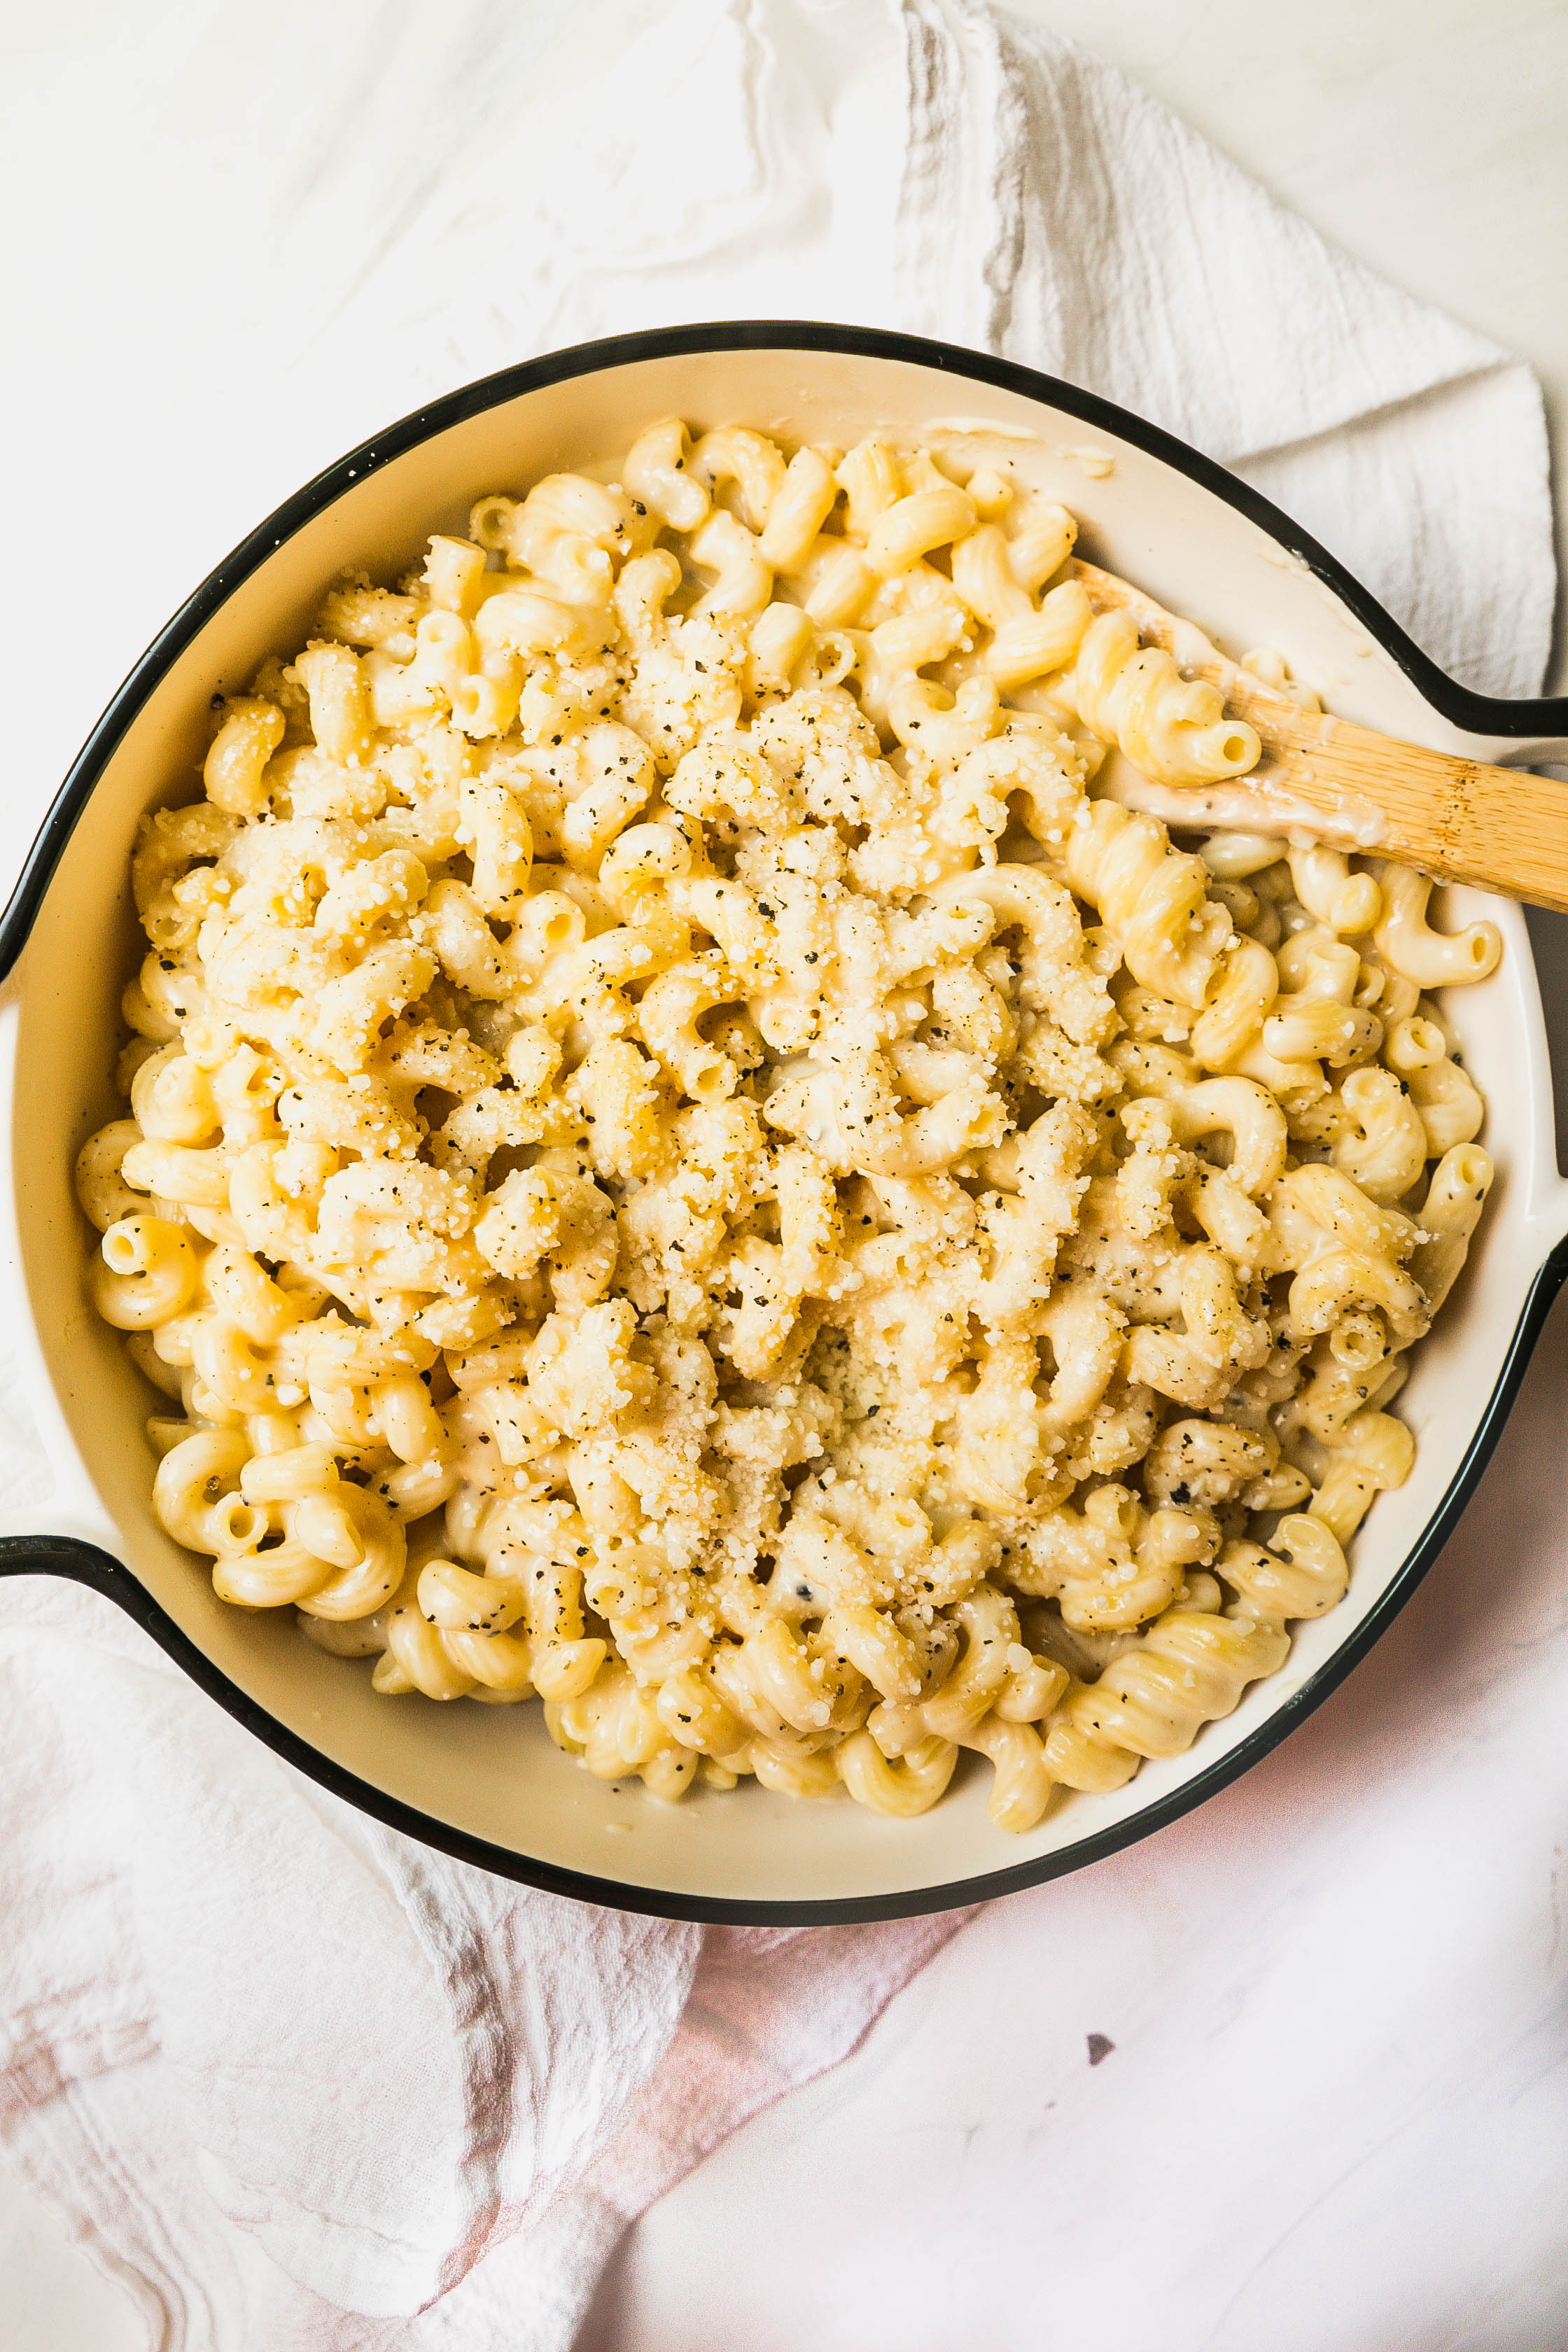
x: 486, y: 1783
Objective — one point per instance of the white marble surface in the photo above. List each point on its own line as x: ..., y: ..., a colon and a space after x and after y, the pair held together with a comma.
x: 968, y: 2179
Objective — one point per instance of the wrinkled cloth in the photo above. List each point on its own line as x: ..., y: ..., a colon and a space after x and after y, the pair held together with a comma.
x: 301, y: 2077
x: 300, y: 2081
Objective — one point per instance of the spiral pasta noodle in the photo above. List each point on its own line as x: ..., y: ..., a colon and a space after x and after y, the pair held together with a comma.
x: 682, y: 1161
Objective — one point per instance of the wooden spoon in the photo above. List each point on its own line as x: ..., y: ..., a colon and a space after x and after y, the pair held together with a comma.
x: 1459, y: 820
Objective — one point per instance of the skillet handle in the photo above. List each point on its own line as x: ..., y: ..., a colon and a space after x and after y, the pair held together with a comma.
x: 69, y: 1557
x: 76, y: 1561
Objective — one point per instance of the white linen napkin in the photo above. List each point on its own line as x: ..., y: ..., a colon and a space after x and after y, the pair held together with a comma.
x: 300, y: 2081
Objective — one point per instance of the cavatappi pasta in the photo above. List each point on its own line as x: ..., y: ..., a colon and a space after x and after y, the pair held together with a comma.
x: 680, y: 1159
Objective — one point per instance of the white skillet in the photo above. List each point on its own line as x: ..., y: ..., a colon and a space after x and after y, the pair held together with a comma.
x: 486, y: 1783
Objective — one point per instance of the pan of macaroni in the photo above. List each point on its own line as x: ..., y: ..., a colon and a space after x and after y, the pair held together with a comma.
x: 662, y: 1233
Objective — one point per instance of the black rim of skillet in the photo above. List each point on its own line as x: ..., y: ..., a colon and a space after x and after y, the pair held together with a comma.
x: 86, y: 1564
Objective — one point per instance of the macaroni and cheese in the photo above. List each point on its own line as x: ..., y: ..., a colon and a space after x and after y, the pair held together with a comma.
x: 682, y: 1160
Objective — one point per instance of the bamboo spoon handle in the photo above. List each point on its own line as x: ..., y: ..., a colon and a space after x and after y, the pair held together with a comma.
x: 1460, y: 820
